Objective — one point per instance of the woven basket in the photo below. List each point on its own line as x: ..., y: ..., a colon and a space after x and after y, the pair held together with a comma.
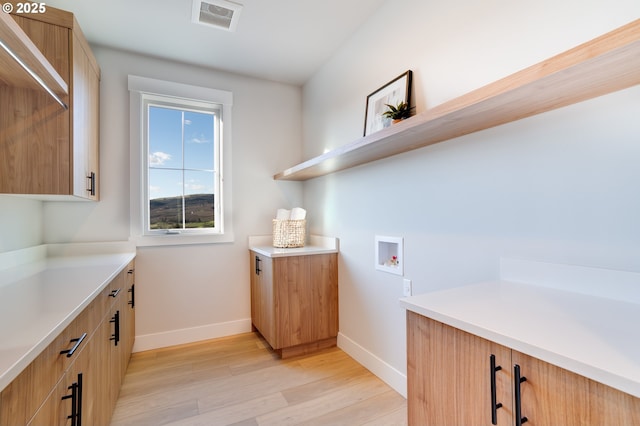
x: 289, y: 233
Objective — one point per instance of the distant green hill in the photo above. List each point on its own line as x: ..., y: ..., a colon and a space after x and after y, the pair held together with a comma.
x: 166, y: 213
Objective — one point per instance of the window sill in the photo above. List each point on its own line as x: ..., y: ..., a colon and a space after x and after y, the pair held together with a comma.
x: 180, y: 239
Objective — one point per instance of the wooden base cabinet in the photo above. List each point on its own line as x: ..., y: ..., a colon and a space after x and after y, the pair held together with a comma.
x: 77, y: 378
x: 456, y: 378
x: 294, y: 301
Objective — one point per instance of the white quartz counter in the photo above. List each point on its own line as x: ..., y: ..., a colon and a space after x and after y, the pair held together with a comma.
x: 317, y: 245
x: 591, y: 335
x: 43, y: 289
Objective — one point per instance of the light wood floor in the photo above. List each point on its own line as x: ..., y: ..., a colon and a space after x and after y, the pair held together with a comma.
x: 239, y: 380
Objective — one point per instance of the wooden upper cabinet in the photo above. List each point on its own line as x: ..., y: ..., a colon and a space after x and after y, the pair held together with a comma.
x: 46, y: 150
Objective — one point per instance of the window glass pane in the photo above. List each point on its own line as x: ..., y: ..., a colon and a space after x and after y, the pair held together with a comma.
x: 198, y: 138
x: 165, y: 137
x: 199, y: 199
x: 165, y: 199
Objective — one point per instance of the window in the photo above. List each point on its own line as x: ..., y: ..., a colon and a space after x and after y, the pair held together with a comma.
x: 182, y: 153
x: 178, y: 154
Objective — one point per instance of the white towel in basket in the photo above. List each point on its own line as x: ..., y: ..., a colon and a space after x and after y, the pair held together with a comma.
x: 283, y: 214
x: 298, y: 214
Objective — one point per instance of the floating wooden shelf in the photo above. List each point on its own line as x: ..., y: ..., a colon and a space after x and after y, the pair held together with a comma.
x: 12, y: 74
x: 603, y: 65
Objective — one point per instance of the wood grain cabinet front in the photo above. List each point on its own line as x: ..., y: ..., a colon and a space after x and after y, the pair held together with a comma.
x: 294, y: 301
x: 44, y: 149
x: 77, y: 378
x: 456, y: 378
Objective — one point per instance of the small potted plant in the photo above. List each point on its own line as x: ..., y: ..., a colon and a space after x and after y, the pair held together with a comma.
x: 398, y: 112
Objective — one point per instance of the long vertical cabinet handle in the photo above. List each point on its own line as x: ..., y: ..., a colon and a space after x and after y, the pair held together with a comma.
x: 76, y: 402
x: 517, y: 380
x: 92, y: 184
x: 258, y: 270
x: 116, y: 328
x: 494, y: 406
x: 132, y: 290
x: 79, y: 401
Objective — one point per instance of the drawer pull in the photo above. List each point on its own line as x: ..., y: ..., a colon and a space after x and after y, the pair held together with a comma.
x: 517, y: 380
x: 92, y: 184
x: 78, y: 341
x: 114, y: 293
x: 132, y: 290
x: 258, y: 270
x: 76, y: 402
x: 494, y: 406
x: 116, y: 328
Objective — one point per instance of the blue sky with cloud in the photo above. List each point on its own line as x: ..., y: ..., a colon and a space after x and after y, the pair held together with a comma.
x: 180, y: 139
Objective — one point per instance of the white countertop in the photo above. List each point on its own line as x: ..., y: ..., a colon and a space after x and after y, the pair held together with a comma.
x: 43, y: 289
x: 594, y: 336
x: 316, y: 245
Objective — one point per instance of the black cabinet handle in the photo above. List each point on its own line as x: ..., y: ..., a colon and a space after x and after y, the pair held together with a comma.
x: 71, y: 351
x: 76, y: 402
x: 92, y: 184
x: 114, y: 293
x: 517, y: 380
x: 132, y: 290
x: 116, y: 328
x: 79, y: 400
x: 258, y: 270
x: 494, y: 406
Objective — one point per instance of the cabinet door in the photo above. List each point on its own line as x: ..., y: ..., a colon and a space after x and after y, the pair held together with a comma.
x: 35, y: 151
x: 554, y: 396
x: 306, y: 299
x: 262, y: 297
x: 449, y: 376
x: 85, y: 136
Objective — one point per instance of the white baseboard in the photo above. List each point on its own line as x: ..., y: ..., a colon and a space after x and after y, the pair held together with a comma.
x: 387, y: 373
x: 164, y: 339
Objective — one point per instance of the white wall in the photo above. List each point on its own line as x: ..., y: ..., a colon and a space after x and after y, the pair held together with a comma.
x: 185, y: 293
x: 561, y: 186
x: 20, y: 223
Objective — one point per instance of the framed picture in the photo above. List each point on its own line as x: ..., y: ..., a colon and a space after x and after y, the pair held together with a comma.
x: 396, y: 91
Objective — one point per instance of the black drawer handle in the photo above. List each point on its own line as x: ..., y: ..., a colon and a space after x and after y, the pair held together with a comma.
x: 78, y: 341
x: 258, y: 270
x: 92, y: 184
x: 116, y: 328
x: 494, y: 406
x: 132, y: 290
x: 76, y: 402
x: 114, y: 293
x: 517, y: 380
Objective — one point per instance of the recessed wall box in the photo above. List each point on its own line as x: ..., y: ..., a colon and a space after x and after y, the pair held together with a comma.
x: 389, y: 254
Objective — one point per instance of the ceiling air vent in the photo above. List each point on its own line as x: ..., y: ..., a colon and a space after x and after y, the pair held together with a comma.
x: 221, y: 14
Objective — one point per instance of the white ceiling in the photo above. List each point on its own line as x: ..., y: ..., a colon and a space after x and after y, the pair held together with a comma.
x: 281, y: 40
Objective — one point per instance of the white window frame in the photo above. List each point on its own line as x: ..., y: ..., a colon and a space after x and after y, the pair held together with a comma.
x: 141, y: 89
